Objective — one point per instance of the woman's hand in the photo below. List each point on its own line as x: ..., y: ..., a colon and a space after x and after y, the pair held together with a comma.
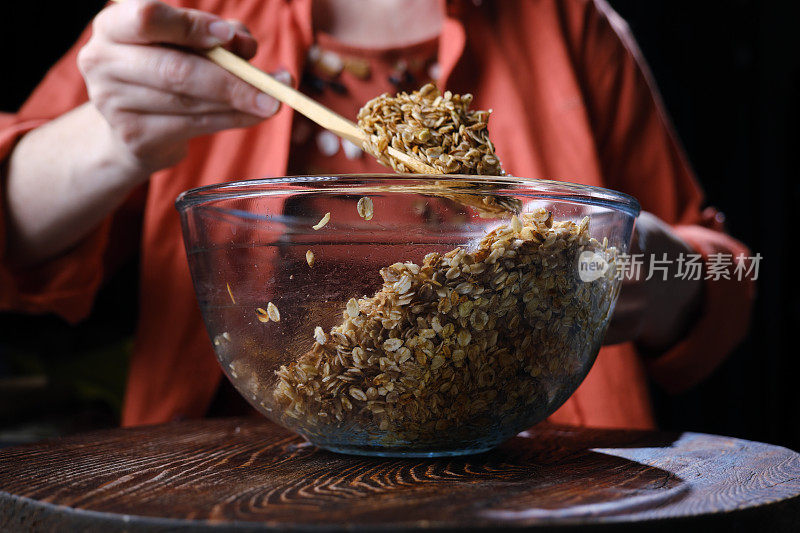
x: 655, y: 313
x: 148, y: 97
x: 155, y: 96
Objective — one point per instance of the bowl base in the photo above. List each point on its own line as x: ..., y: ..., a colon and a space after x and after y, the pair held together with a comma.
x: 383, y: 451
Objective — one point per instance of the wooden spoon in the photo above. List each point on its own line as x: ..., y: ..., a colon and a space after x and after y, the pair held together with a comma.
x: 487, y: 205
x: 328, y: 119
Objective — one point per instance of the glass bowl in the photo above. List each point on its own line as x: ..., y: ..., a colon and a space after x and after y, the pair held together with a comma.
x: 397, y: 315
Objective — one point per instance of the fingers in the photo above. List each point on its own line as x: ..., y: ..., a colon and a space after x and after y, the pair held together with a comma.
x: 189, y: 126
x: 629, y: 314
x: 184, y: 74
x: 144, y: 135
x: 151, y: 22
x: 282, y: 76
x: 243, y: 43
x: 153, y: 93
x: 147, y: 100
x: 625, y: 325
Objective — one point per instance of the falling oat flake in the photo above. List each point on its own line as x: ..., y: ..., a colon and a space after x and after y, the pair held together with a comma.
x: 322, y: 222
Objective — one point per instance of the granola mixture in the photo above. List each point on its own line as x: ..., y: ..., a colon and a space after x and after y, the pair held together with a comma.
x: 466, y: 340
x: 438, y: 129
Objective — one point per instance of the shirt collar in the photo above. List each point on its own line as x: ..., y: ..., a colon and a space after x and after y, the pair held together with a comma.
x: 451, y: 41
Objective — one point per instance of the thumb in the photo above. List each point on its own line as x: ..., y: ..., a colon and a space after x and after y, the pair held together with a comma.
x: 267, y: 104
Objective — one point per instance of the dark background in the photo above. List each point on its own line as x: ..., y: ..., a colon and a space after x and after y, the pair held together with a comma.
x: 730, y: 76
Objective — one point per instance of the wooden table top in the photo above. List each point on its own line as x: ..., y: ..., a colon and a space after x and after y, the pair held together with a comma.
x: 251, y: 475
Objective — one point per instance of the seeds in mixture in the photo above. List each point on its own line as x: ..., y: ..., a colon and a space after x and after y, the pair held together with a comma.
x: 262, y: 315
x: 365, y: 208
x: 438, y: 129
x: 442, y: 132
x: 463, y: 337
x: 324, y: 220
x: 310, y: 258
x: 358, y: 394
x: 480, y: 347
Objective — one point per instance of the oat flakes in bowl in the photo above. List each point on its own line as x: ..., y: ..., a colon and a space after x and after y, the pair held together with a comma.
x: 420, y: 330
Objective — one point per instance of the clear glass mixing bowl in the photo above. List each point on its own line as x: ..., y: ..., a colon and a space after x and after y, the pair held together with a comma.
x: 421, y: 319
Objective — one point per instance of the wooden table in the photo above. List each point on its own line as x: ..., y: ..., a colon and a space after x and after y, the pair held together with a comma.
x: 250, y: 475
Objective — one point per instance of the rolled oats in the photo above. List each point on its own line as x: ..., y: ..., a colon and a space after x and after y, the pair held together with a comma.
x: 446, y: 345
x: 324, y: 220
x: 352, y: 308
x: 438, y: 129
x: 273, y: 312
x: 442, y: 132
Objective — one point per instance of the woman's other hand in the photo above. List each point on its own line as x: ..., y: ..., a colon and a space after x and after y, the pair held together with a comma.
x: 655, y: 313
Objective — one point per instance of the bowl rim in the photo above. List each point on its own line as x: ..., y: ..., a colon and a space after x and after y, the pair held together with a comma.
x: 553, y: 189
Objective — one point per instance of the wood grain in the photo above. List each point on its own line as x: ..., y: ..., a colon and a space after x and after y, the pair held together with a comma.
x: 250, y: 475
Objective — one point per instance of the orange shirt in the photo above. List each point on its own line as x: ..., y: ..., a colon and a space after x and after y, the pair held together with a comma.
x: 572, y: 101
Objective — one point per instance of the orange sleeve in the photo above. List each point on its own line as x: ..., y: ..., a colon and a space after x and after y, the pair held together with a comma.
x: 640, y: 155
x: 67, y: 284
